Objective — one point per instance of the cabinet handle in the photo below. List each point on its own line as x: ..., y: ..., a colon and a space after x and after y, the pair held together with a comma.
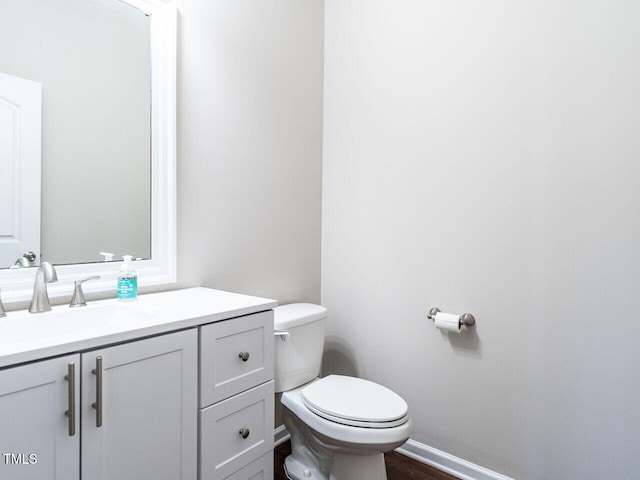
x: 244, y: 432
x: 71, y: 413
x: 98, y: 403
x: 244, y: 356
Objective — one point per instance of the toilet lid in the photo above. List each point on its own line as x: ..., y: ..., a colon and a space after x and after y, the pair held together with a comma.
x: 354, y: 401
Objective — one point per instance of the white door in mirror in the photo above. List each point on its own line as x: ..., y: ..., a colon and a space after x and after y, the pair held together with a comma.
x: 20, y: 138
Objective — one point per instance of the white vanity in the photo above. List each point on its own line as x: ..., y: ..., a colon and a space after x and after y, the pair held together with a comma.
x: 175, y: 385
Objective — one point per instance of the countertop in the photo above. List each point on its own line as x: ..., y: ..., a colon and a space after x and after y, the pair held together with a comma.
x: 25, y: 337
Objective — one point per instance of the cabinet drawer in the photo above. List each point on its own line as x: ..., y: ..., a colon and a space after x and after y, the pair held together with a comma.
x: 235, y: 355
x: 223, y: 448
x: 261, y: 469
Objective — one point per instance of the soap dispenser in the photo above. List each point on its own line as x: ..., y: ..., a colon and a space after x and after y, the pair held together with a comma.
x: 127, y: 281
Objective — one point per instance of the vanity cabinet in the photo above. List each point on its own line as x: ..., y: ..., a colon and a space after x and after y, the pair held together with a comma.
x: 175, y: 386
x: 237, y: 399
x: 133, y: 413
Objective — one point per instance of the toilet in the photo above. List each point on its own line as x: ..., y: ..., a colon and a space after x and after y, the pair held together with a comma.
x: 340, y: 426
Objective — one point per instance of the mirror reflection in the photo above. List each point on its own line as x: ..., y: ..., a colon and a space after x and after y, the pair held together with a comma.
x: 92, y: 194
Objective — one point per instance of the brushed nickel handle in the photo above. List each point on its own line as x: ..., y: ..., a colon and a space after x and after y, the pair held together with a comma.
x: 98, y: 403
x: 71, y: 413
x: 244, y: 356
x: 78, y: 299
x: 244, y: 432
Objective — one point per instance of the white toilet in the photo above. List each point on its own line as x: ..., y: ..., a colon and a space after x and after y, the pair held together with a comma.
x: 340, y: 426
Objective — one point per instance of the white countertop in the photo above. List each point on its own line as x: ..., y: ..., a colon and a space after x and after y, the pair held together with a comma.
x: 25, y: 337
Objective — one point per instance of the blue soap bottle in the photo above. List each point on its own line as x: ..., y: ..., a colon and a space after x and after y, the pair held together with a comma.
x: 127, y: 281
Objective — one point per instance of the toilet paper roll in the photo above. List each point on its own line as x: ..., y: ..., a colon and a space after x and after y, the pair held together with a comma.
x: 449, y: 322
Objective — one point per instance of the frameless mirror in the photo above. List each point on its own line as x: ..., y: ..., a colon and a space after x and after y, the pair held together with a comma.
x: 92, y: 62
x: 103, y: 75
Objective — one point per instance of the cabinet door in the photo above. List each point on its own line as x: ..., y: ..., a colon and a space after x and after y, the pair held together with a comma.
x: 37, y: 440
x: 146, y: 393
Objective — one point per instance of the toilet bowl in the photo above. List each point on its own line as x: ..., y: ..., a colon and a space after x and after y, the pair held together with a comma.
x: 340, y: 426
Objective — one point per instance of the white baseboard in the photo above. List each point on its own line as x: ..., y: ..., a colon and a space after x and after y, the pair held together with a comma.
x: 431, y: 456
x: 448, y: 463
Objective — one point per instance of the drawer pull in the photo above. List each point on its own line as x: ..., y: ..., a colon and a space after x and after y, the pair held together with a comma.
x: 98, y: 403
x: 71, y: 413
x: 244, y: 356
x: 244, y: 432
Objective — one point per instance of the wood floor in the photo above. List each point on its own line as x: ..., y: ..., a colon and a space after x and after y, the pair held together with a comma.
x: 399, y: 467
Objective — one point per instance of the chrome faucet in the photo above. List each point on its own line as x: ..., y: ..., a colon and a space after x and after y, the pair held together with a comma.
x: 40, y: 301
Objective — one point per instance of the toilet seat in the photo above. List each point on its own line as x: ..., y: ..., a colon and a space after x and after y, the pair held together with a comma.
x: 335, y: 433
x: 355, y: 402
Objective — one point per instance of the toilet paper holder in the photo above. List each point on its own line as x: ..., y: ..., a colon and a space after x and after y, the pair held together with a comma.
x: 465, y: 319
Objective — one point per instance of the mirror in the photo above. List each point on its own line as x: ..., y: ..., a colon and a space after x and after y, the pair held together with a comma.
x: 107, y: 75
x: 91, y: 59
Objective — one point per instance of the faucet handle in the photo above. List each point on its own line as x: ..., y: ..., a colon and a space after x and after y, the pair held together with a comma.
x: 78, y: 300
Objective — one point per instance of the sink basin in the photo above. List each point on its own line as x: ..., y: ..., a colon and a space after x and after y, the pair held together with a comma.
x: 24, y: 331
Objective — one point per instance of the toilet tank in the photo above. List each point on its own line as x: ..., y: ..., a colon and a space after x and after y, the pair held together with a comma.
x: 298, y: 355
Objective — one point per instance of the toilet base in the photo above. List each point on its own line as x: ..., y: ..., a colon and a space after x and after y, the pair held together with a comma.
x: 358, y: 467
x: 296, y: 470
x: 344, y: 467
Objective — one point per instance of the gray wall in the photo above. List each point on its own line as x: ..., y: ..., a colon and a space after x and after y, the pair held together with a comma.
x: 483, y: 157
x: 250, y: 146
